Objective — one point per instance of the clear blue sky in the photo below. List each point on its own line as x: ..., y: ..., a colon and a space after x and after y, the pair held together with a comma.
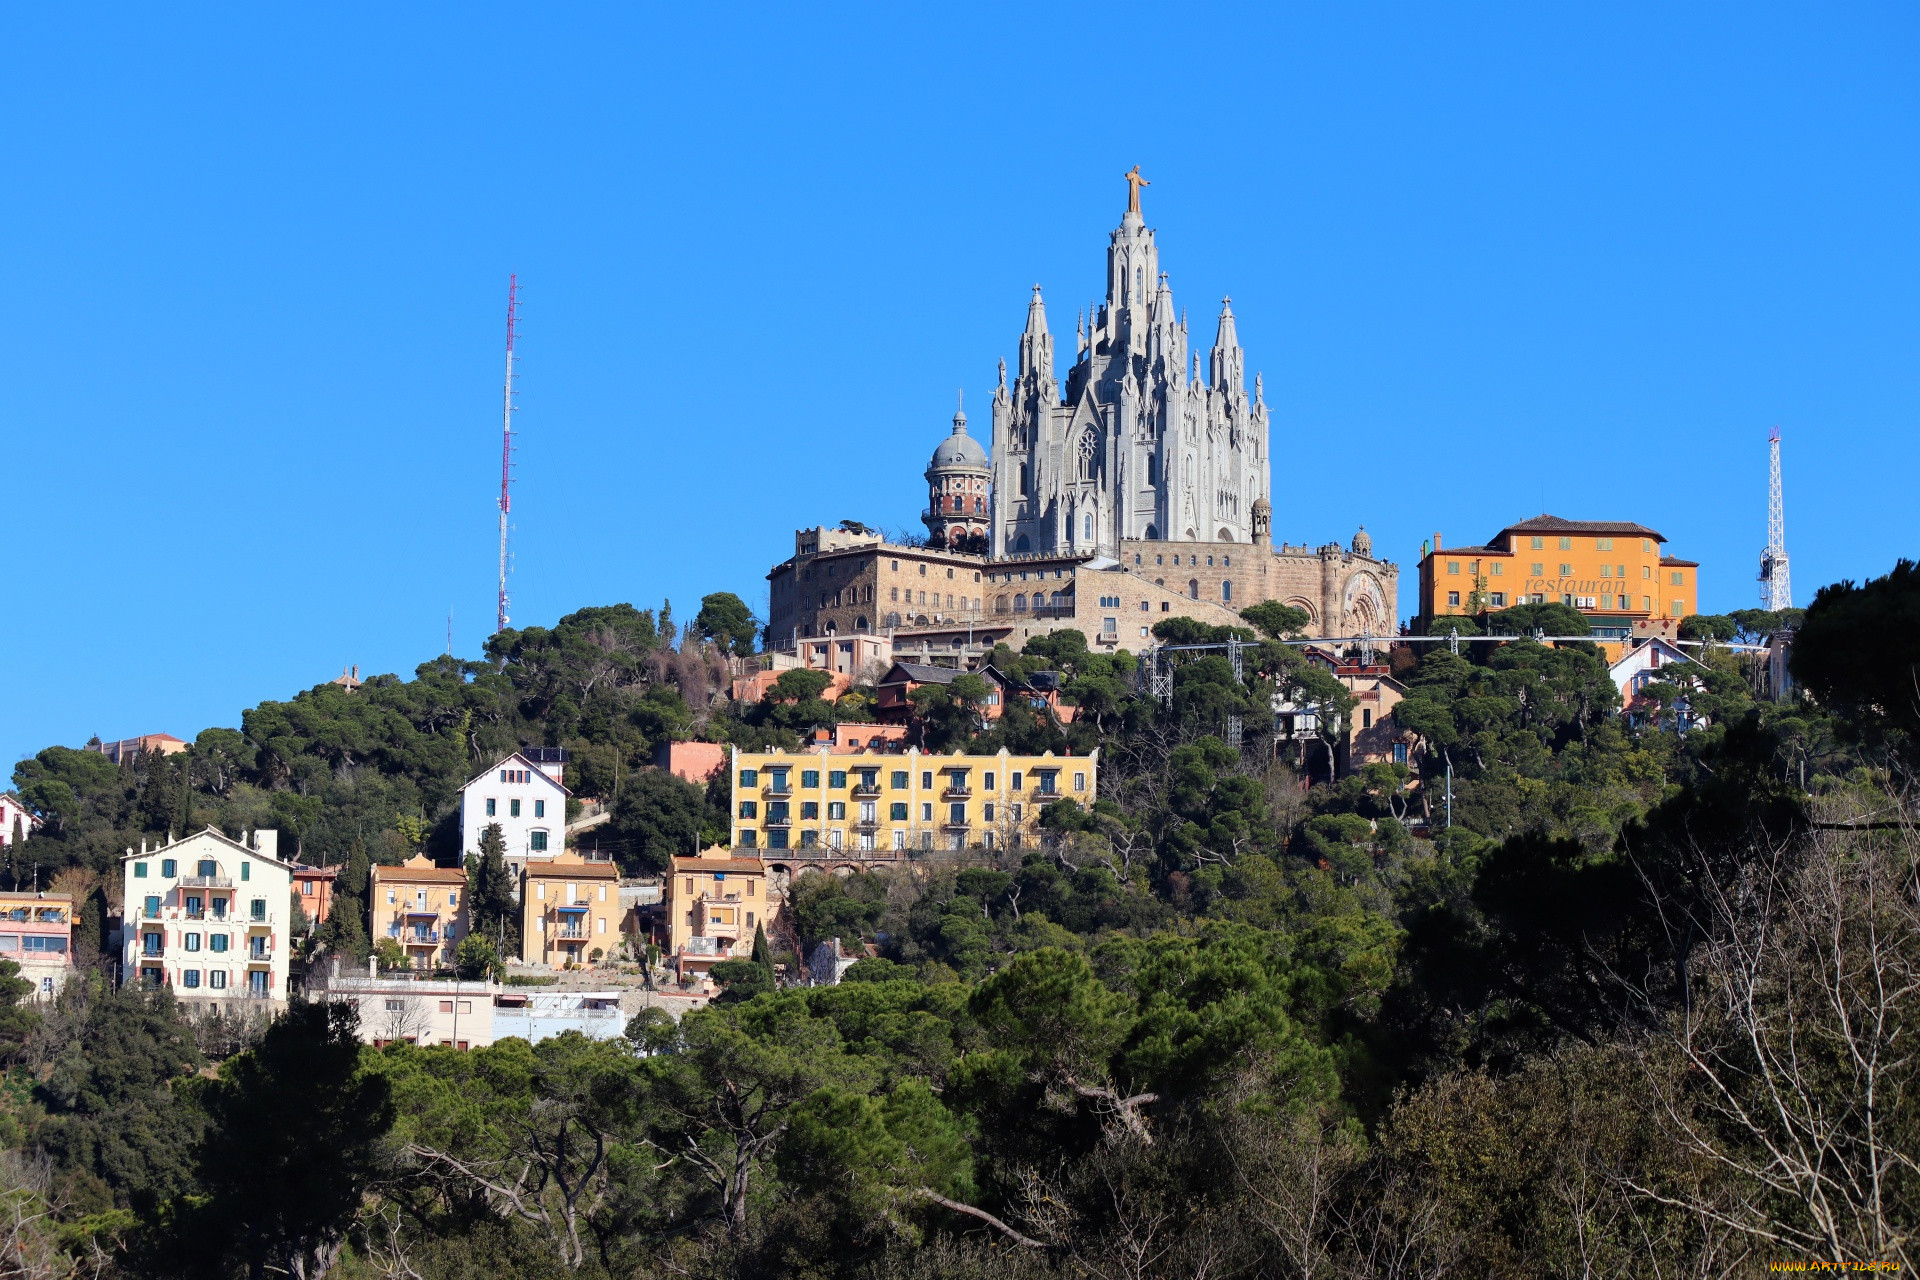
x: 1491, y: 259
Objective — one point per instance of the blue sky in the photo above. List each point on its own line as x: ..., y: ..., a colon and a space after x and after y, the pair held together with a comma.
x: 1491, y: 259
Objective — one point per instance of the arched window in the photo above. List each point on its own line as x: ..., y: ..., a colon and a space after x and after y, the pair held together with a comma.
x: 979, y: 506
x: 831, y: 629
x: 1226, y: 593
x: 1020, y: 603
x: 1193, y: 588
x: 1087, y: 527
x: 1089, y: 446
x: 1153, y: 469
x: 1021, y: 543
x: 1023, y: 479
x: 860, y: 623
x: 893, y: 621
x: 1000, y: 604
x: 1152, y: 532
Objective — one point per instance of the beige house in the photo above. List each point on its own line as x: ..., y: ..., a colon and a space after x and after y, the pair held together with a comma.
x: 714, y: 904
x: 422, y: 907
x: 569, y: 911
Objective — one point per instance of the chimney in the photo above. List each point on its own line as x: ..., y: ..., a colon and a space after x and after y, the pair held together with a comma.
x: 1436, y: 539
x: 266, y: 842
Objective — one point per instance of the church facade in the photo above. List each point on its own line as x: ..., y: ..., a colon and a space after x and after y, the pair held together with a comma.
x: 1138, y: 489
x: 1137, y: 445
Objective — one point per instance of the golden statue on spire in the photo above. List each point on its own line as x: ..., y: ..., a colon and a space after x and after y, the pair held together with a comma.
x: 1134, y: 183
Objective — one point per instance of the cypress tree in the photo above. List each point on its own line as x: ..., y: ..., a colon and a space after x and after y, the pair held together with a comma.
x: 762, y: 953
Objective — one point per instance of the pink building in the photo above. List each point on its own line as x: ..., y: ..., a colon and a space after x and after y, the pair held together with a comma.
x: 36, y: 933
x: 691, y: 761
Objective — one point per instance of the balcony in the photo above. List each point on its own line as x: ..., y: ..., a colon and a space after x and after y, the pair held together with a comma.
x: 957, y: 791
x: 777, y: 820
x: 569, y: 935
x: 418, y: 938
x: 206, y: 882
x: 866, y: 790
x: 951, y: 825
x: 777, y: 786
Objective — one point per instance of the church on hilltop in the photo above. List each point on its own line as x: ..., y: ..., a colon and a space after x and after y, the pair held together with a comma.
x: 1138, y: 489
x: 1137, y: 446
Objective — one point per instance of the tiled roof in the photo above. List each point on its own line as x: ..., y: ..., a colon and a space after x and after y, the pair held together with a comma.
x: 709, y: 865
x: 1678, y: 563
x: 1554, y: 524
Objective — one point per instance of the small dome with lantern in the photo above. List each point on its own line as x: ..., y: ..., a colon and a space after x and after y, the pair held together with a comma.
x: 1363, y: 543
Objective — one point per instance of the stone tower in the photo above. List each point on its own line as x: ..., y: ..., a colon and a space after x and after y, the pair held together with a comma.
x: 1135, y: 445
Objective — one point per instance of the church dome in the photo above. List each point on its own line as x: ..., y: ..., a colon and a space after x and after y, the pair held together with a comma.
x: 1363, y: 543
x: 960, y: 449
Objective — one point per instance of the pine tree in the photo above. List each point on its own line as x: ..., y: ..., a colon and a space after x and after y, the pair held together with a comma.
x: 346, y: 929
x: 762, y: 953
x: 186, y: 796
x: 495, y: 913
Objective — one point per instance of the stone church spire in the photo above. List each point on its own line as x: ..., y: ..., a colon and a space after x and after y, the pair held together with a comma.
x: 1229, y: 366
x: 1036, y: 344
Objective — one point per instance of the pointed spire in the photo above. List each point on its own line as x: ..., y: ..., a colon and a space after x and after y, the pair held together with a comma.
x: 960, y: 412
x: 1036, y: 344
x: 1228, y: 368
x: 1003, y: 371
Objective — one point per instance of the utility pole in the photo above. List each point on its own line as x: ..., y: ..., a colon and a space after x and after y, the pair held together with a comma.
x: 506, y: 447
x: 1449, y: 795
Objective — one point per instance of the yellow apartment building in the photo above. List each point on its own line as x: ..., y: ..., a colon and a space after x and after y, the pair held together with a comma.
x: 868, y: 800
x: 569, y: 911
x: 714, y: 904
x: 1617, y: 573
x: 421, y: 906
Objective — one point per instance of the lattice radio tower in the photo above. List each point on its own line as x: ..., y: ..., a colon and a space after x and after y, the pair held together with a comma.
x: 506, y: 448
x: 1776, y: 587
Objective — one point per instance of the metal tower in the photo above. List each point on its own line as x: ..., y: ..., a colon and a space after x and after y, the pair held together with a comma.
x: 506, y: 448
x: 1776, y: 588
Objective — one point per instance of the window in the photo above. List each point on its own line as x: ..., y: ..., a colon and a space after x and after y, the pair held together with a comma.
x: 539, y: 808
x: 1539, y: 570
x: 513, y: 808
x: 836, y: 810
x: 139, y: 871
x: 1603, y: 544
x: 1679, y: 609
x: 1566, y: 571
x: 1646, y: 544
x: 246, y: 871
x: 216, y: 942
x: 1018, y: 781
x: 217, y: 979
x: 57, y: 945
x: 1226, y: 593
x: 1498, y: 569
x: 153, y: 908
x: 1678, y: 578
x: 749, y: 777
x: 926, y: 812
x: 259, y: 908
x: 190, y: 978
x: 809, y: 809
x: 169, y: 868
x: 490, y: 809
x: 446, y: 1006
x: 1606, y: 571
x: 193, y: 941
x: 1110, y: 626
x: 900, y: 780
x: 1498, y: 599
x: 986, y: 811
x: 1453, y: 599
x: 537, y: 841
x: 1399, y: 753
x: 453, y: 898
x: 1538, y: 543
x: 836, y: 778
x: 1366, y: 717
x: 1646, y: 571
x: 1566, y: 544
x: 810, y: 778
x: 207, y: 868
x: 749, y: 809
x: 396, y: 1006
x: 926, y: 781
x: 1453, y: 567
x: 988, y: 784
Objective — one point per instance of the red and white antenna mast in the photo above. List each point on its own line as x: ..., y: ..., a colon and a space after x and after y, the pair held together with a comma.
x: 506, y: 447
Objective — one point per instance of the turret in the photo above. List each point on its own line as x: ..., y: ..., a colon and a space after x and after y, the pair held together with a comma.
x: 957, y: 482
x: 1036, y: 344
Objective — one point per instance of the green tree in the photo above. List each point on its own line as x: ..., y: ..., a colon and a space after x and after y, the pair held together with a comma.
x: 391, y: 955
x: 292, y: 1144
x: 496, y: 913
x: 475, y: 957
x: 741, y: 980
x: 659, y: 817
x: 1858, y: 653
x: 1708, y: 626
x: 725, y: 619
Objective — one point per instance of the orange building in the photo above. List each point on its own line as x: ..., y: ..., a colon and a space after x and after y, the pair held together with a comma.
x: 715, y: 902
x: 313, y: 888
x: 1614, y: 572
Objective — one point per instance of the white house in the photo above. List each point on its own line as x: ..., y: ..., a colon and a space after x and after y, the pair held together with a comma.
x: 1643, y: 665
x: 208, y: 917
x: 522, y: 793
x: 14, y: 817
